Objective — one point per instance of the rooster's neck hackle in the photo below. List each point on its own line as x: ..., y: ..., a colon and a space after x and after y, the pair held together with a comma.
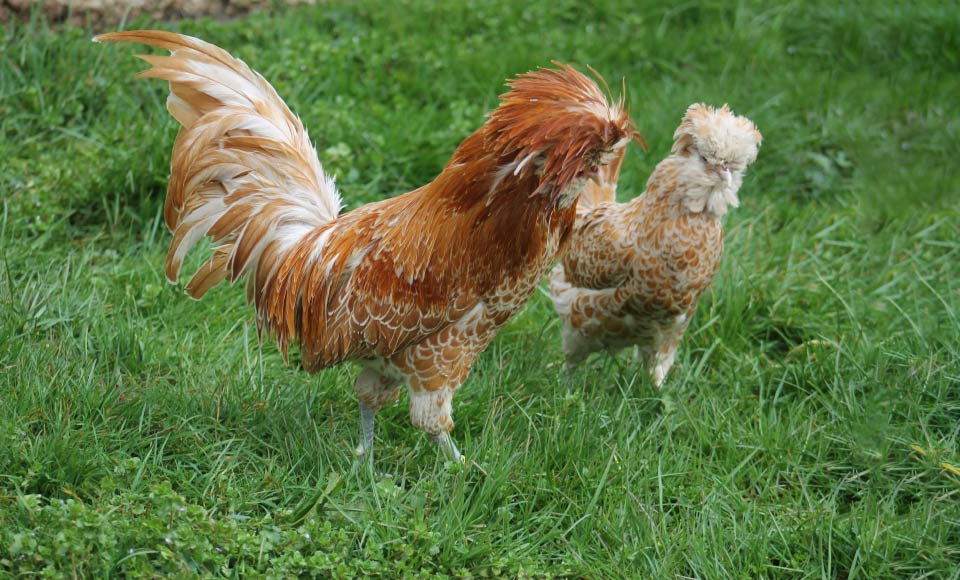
x: 556, y: 123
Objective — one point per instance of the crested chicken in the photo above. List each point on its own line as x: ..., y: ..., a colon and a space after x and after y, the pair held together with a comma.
x: 413, y: 287
x: 633, y: 272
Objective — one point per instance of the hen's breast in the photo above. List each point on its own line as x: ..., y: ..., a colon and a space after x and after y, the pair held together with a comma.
x: 674, y: 263
x: 600, y: 249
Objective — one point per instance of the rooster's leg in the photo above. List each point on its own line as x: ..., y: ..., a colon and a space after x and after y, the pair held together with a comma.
x: 374, y: 390
x: 430, y: 411
x: 435, y: 369
x: 367, y: 418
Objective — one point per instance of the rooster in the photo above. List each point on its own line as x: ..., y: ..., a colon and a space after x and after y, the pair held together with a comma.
x: 413, y: 287
x: 633, y: 273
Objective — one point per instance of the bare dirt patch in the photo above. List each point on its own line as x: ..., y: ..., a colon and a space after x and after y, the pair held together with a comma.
x: 108, y: 13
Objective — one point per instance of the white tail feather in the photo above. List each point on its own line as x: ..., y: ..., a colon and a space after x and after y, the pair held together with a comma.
x: 243, y: 170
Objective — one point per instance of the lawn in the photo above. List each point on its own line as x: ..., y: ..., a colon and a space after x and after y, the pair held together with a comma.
x: 809, y: 429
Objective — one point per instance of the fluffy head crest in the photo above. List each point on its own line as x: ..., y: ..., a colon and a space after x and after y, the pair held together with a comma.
x: 562, y: 116
x: 717, y: 134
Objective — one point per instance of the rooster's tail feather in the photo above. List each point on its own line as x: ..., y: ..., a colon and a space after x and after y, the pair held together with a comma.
x: 243, y: 170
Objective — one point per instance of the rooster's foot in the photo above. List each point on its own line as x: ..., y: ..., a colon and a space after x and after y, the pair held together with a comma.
x: 449, y: 448
x: 367, y: 417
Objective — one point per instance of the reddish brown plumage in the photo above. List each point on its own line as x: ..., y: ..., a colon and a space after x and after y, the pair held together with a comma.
x: 604, y: 187
x: 414, y: 286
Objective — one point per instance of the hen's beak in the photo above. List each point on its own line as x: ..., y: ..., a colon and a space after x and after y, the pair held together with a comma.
x: 726, y: 175
x: 723, y: 170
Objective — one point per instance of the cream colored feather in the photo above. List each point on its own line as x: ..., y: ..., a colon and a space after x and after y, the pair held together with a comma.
x: 240, y: 155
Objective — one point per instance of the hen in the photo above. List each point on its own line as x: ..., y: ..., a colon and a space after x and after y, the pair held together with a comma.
x: 413, y: 287
x: 634, y: 272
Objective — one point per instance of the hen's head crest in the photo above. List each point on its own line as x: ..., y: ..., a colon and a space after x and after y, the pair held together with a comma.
x: 714, y: 147
x: 717, y: 135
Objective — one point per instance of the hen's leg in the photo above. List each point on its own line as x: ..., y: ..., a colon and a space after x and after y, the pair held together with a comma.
x: 575, y: 346
x: 374, y: 390
x: 666, y: 349
x: 664, y: 360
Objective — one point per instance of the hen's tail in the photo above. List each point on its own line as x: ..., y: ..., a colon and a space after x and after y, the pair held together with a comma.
x: 561, y: 292
x: 243, y: 171
x: 605, y: 188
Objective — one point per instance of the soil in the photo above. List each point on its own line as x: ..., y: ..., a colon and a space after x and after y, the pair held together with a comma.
x: 106, y: 14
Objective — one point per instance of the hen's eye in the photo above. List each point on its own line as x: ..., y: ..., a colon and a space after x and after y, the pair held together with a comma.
x: 703, y: 159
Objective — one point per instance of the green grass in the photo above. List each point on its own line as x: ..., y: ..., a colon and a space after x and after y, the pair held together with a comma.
x: 809, y: 430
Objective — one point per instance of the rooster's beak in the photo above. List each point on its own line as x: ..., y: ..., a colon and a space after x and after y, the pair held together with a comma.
x: 594, y: 175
